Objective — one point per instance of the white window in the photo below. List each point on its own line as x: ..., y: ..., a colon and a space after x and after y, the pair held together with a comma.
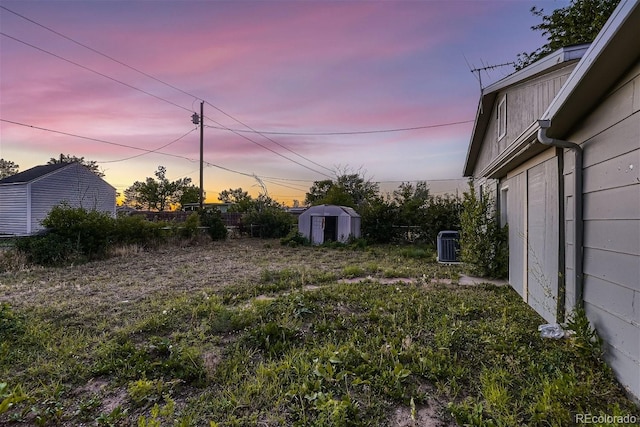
x: 502, y: 117
x: 504, y: 192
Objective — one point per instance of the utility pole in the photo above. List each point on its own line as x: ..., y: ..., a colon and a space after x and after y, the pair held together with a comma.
x: 201, y: 154
x: 199, y: 120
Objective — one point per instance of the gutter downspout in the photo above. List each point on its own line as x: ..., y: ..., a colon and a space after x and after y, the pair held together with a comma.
x: 577, y: 203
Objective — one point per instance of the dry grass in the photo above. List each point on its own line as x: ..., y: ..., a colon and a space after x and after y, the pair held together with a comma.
x: 247, y: 331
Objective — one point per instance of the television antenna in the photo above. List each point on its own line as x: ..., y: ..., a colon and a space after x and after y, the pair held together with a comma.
x: 486, y: 68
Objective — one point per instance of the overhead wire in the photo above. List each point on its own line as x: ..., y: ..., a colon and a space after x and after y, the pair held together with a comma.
x: 263, y: 134
x: 162, y: 82
x: 157, y: 97
x: 220, y: 126
x: 251, y: 130
x: 275, y: 152
x: 150, y: 151
x: 93, y: 71
x: 360, y: 132
x: 135, y: 148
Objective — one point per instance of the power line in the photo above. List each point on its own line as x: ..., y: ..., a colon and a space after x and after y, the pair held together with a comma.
x: 361, y: 132
x: 97, y: 51
x: 236, y: 131
x: 274, y: 151
x: 150, y: 151
x: 137, y: 148
x: 264, y: 136
x: 160, y: 81
x: 157, y: 97
x: 93, y: 71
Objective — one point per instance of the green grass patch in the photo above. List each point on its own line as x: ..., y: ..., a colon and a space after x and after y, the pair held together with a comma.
x: 339, y: 354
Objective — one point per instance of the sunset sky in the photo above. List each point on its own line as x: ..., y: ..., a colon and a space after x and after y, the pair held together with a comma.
x: 298, y: 69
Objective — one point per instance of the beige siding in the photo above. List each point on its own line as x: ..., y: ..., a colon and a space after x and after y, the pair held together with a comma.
x: 542, y: 238
x: 610, y: 138
x: 526, y: 102
x: 516, y: 208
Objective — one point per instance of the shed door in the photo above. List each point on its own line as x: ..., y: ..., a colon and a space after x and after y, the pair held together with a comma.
x: 330, y: 228
x: 317, y: 230
x: 542, y: 227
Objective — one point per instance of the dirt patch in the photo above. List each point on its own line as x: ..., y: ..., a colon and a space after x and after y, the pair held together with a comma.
x: 382, y: 280
x: 431, y: 415
x: 211, y: 359
x: 117, y: 397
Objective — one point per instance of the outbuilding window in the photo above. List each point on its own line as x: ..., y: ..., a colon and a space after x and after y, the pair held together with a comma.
x: 502, y: 117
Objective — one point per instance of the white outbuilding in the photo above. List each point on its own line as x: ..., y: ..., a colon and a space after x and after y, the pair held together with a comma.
x: 325, y: 223
x: 27, y: 197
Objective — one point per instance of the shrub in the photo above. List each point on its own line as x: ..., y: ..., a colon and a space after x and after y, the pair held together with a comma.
x: 483, y: 243
x: 88, y: 231
x: 378, y: 218
x: 189, y: 228
x: 50, y: 249
x: 136, y: 230
x: 295, y: 238
x: 213, y: 220
x: 272, y: 222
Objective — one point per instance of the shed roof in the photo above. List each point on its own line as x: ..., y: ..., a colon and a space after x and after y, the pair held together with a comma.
x: 330, y: 210
x: 33, y: 173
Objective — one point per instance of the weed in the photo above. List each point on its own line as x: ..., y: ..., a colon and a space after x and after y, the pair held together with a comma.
x: 10, y: 398
x: 113, y: 418
x: 178, y: 342
x: 585, y: 337
x: 146, y: 392
x: 352, y: 271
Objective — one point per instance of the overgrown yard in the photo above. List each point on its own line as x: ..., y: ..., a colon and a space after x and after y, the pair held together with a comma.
x: 251, y: 333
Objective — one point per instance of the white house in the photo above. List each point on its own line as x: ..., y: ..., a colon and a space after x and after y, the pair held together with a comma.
x: 27, y: 197
x: 558, y: 145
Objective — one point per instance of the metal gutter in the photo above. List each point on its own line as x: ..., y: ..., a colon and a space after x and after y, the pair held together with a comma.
x: 577, y: 203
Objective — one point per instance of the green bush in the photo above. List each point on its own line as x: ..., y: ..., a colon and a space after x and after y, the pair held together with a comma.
x: 294, y: 238
x: 272, y: 222
x: 88, y: 231
x: 189, y: 228
x: 378, y: 218
x: 483, y: 243
x: 50, y: 249
x: 136, y: 230
x: 213, y: 220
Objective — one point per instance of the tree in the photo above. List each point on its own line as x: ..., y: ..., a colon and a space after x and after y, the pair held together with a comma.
x: 348, y: 189
x: 190, y: 194
x: 580, y: 22
x: 159, y: 194
x: 412, y: 201
x: 240, y: 199
x: 378, y: 219
x: 92, y: 165
x: 8, y: 168
x: 442, y: 214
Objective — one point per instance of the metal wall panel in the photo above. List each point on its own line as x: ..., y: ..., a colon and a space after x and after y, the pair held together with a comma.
x: 317, y: 230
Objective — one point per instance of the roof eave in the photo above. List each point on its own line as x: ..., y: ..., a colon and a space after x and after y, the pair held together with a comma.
x: 613, y: 52
x: 551, y: 62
